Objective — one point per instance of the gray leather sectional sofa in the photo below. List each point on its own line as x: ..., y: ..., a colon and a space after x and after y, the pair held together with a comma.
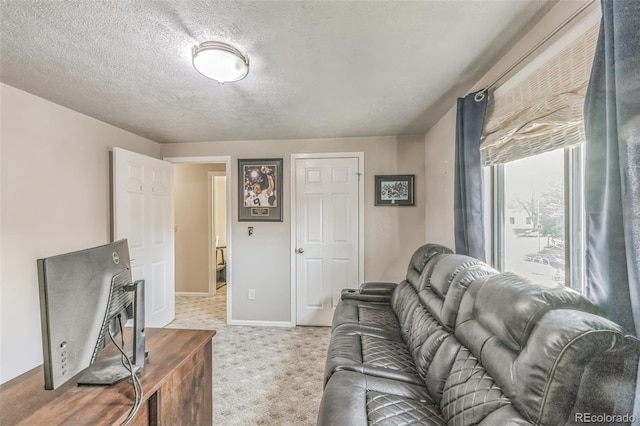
x: 457, y: 343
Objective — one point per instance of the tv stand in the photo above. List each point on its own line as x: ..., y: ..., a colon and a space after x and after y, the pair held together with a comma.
x: 176, y: 384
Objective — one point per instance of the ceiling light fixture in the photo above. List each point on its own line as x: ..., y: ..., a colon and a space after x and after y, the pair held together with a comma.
x: 220, y: 61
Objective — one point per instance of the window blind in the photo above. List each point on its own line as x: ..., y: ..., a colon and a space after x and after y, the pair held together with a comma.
x: 545, y: 111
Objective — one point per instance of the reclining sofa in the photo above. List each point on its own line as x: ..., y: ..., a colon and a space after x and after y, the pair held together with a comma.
x: 457, y: 343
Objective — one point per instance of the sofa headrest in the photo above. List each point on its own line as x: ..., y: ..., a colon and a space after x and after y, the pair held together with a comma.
x: 509, y: 306
x: 445, y: 307
x: 575, y: 362
x: 445, y: 269
x: 420, y: 258
x: 425, y: 253
x: 546, y: 347
x: 572, y: 361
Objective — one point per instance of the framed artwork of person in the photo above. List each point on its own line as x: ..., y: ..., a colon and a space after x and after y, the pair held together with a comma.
x: 260, y: 190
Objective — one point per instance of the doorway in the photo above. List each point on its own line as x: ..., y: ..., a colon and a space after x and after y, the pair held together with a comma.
x: 203, y: 246
x: 217, y: 231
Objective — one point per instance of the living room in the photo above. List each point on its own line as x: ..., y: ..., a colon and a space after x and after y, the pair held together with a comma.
x: 60, y: 122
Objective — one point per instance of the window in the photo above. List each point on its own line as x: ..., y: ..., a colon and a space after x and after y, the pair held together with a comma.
x: 534, y: 193
x: 533, y: 152
x: 541, y: 196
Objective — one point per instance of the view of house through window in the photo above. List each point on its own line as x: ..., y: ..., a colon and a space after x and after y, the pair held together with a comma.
x: 534, y: 216
x: 533, y: 150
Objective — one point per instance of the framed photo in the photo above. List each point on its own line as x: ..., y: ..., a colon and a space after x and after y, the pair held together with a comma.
x: 395, y: 190
x: 260, y: 190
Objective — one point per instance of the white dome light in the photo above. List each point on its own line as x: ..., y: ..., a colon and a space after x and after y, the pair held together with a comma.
x: 220, y: 61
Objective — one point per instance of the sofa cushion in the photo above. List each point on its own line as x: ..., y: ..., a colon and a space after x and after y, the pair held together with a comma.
x: 357, y: 399
x: 375, y: 356
x: 545, y: 348
x: 445, y: 269
x: 470, y: 393
x: 584, y: 360
x: 443, y: 303
x: 358, y: 312
x: 352, y: 398
x: 390, y: 409
x: 421, y: 258
x: 374, y: 348
x: 435, y: 360
x: 510, y: 306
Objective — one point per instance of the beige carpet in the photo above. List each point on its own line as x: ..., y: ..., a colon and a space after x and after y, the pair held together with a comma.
x: 261, y: 375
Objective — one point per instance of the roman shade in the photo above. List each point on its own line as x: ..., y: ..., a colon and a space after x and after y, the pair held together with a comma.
x: 545, y: 111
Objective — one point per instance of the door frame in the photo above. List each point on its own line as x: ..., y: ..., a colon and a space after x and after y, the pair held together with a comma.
x: 324, y: 155
x: 211, y: 184
x: 226, y: 159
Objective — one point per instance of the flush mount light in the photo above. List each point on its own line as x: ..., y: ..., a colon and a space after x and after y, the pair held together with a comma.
x: 220, y: 61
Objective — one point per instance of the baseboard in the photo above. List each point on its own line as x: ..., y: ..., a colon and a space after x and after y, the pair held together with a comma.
x: 189, y: 293
x: 261, y: 323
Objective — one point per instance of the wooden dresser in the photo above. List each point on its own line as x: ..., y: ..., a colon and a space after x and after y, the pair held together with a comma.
x: 176, y: 384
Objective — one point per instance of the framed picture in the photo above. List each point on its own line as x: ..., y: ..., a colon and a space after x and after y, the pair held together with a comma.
x: 260, y: 190
x: 395, y: 190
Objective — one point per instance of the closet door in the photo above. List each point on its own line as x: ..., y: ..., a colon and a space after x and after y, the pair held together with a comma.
x: 326, y: 235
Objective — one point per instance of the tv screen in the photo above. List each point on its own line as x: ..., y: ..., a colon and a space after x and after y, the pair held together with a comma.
x: 84, y: 296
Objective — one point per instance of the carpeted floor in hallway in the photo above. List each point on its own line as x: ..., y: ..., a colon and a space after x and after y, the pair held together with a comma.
x: 261, y: 375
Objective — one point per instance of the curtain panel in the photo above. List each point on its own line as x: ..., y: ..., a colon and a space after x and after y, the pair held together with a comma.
x: 612, y: 187
x: 468, y: 210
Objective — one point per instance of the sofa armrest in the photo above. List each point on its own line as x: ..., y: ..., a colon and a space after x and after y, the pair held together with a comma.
x: 378, y: 288
x: 371, y: 292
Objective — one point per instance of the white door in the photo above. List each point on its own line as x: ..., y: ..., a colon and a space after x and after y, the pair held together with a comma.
x: 143, y: 214
x: 326, y: 235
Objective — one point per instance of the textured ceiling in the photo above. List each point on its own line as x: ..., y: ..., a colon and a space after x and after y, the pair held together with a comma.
x: 318, y: 68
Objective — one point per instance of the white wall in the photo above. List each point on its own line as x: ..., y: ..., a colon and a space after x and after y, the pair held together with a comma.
x: 191, y: 195
x: 440, y: 140
x: 55, y: 198
x: 391, y: 233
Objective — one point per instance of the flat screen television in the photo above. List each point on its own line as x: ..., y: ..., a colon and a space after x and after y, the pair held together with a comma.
x: 85, y: 297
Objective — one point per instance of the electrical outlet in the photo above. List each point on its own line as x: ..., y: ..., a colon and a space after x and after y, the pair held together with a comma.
x: 252, y: 294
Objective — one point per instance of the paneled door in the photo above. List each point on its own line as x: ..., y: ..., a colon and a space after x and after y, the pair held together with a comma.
x: 143, y: 213
x: 327, y: 226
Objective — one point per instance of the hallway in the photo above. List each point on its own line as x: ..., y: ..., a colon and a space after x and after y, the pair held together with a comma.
x: 201, y: 312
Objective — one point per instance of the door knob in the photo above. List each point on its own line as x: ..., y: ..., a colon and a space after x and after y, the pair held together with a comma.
x: 300, y: 250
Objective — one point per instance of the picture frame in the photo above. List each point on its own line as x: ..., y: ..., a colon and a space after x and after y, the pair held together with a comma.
x: 260, y: 190
x: 395, y: 190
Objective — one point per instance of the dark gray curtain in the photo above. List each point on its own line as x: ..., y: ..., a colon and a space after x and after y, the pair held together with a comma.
x: 612, y: 187
x: 468, y: 210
